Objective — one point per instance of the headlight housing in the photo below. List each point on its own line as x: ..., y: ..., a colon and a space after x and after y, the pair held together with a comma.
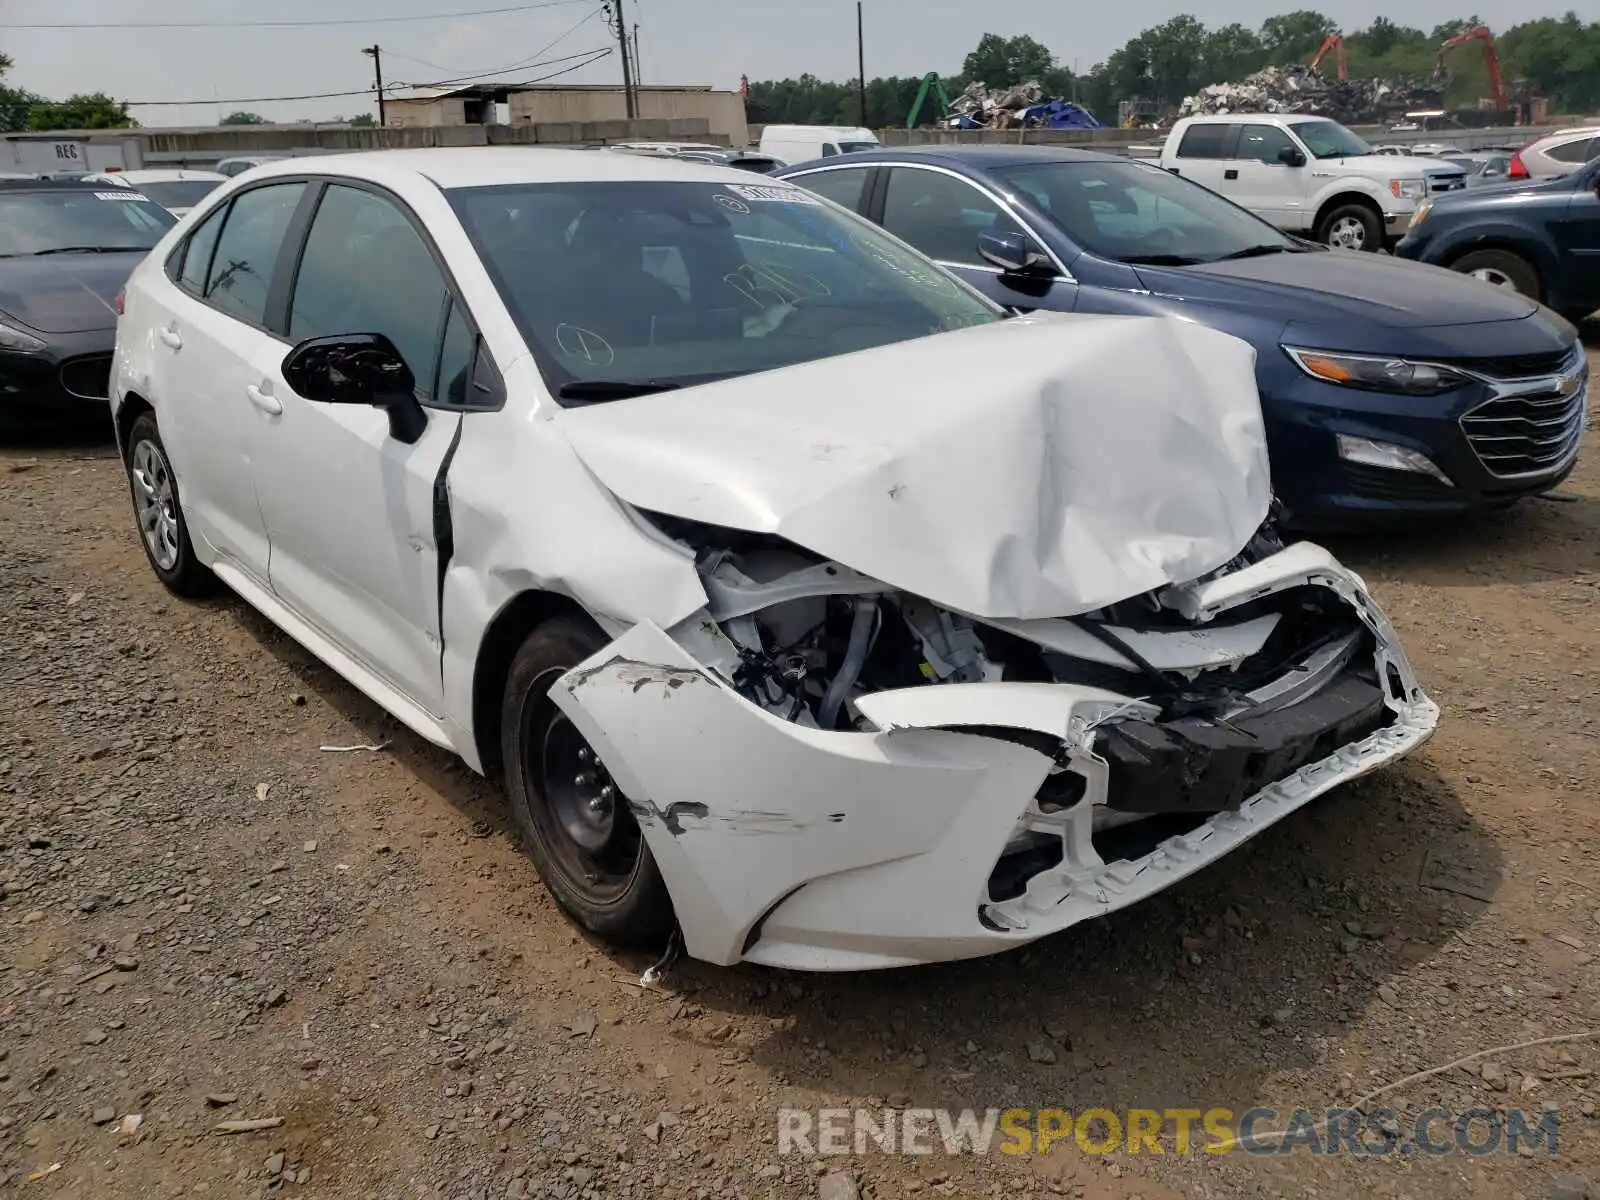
x: 1421, y: 214
x: 1409, y: 189
x: 1376, y: 374
x: 18, y: 341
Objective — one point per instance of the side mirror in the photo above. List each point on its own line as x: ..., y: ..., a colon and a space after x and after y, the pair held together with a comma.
x: 1013, y: 253
x: 358, y: 368
x: 1290, y: 156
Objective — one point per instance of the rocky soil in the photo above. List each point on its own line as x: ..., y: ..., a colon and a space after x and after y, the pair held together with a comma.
x: 257, y: 939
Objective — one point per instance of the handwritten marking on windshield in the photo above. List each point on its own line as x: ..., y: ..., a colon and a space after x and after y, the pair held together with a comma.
x: 578, y: 342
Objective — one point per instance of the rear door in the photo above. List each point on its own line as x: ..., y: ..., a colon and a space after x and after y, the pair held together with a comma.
x: 1202, y: 152
x: 214, y: 325
x: 942, y: 214
x: 1577, y: 235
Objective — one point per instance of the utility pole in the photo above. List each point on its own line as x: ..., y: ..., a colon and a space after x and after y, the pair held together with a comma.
x: 627, y: 67
x: 375, y: 53
x: 861, y: 68
x: 638, y: 63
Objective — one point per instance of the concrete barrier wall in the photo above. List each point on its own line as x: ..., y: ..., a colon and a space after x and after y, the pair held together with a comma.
x: 1119, y: 140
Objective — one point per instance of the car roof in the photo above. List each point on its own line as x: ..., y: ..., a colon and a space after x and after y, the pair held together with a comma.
x: 44, y: 185
x: 980, y: 158
x: 1562, y: 136
x: 163, y: 174
x: 491, y: 166
x: 1241, y: 118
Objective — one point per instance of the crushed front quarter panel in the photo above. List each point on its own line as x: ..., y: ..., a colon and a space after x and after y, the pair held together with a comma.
x: 809, y: 849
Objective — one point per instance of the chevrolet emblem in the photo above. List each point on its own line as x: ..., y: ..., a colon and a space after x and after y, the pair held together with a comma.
x: 1568, y: 385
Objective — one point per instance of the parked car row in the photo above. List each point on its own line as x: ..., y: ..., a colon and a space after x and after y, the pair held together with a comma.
x: 873, y: 564
x: 808, y: 600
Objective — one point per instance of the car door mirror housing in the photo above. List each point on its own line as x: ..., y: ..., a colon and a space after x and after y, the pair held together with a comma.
x: 1013, y: 253
x: 358, y: 368
x: 1291, y: 156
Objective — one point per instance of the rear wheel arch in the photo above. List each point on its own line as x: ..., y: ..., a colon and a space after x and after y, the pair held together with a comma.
x: 1534, y: 259
x: 132, y: 407
x: 519, y: 617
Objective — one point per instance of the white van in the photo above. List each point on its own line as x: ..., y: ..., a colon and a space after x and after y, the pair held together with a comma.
x: 802, y: 143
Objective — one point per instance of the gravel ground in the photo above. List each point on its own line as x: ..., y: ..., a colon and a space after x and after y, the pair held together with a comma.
x: 208, y: 917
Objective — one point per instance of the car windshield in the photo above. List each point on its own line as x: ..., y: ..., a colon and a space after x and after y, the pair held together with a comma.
x: 179, y: 193
x: 1329, y: 139
x: 1135, y: 213
x: 80, y: 219
x: 622, y: 288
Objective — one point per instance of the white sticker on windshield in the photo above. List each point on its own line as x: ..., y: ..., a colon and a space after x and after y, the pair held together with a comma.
x: 123, y: 194
x: 773, y: 195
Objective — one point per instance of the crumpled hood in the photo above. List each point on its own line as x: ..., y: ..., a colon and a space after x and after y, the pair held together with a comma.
x: 1039, y: 466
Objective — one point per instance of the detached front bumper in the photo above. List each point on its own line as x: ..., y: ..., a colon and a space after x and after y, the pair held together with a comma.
x: 794, y: 847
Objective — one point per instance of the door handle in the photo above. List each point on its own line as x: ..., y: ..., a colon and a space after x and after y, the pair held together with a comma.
x: 169, y: 337
x: 265, y: 401
x: 1230, y: 174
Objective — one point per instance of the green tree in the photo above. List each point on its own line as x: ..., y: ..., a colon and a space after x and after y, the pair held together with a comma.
x: 1558, y: 58
x: 92, y: 110
x: 1001, y: 62
x: 243, y: 118
x: 363, y: 121
x: 1295, y: 35
x: 15, y: 103
x: 1231, y: 52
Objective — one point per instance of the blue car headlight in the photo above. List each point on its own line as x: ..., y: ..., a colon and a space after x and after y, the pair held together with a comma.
x: 1377, y: 374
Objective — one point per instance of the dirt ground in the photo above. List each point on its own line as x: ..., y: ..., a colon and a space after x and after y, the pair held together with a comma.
x: 206, y: 916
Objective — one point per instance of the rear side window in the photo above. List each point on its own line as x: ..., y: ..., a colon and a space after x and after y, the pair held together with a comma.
x: 1206, y: 141
x: 197, y: 252
x: 1575, y: 152
x: 247, y: 251
x: 842, y: 187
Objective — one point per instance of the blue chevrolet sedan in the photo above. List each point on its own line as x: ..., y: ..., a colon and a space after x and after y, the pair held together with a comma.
x: 1390, y: 389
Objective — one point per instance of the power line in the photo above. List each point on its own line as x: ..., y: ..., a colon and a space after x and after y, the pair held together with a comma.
x: 536, y: 59
x: 384, y: 20
x: 588, y: 56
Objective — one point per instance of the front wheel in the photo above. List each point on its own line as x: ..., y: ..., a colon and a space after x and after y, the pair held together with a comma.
x: 1503, y: 269
x: 1351, y: 227
x: 575, y: 822
x: 163, y: 531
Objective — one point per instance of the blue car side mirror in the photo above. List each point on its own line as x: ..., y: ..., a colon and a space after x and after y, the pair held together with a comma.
x: 1014, y: 253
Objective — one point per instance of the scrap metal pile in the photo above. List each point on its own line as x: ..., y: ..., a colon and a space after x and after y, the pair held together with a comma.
x: 1024, y: 106
x: 1301, y: 89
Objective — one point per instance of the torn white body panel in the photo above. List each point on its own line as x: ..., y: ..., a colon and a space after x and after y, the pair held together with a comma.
x: 1109, y: 459
x: 885, y: 845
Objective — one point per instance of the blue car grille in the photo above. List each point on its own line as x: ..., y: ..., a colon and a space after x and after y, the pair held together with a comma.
x: 1533, y: 425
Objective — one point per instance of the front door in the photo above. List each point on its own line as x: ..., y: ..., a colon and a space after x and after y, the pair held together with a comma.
x: 1263, y: 182
x: 942, y: 214
x: 348, y: 508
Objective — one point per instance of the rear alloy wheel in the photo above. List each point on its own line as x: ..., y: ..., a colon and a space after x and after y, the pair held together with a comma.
x: 1351, y: 227
x: 1503, y: 269
x: 159, y: 512
x: 575, y: 821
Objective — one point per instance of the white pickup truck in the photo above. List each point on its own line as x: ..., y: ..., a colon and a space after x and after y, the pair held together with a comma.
x: 1308, y: 175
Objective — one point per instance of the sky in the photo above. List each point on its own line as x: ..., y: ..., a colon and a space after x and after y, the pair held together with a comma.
x: 227, y: 67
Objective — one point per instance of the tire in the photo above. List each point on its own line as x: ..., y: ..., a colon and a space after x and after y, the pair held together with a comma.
x: 158, y: 513
x: 1351, y: 227
x: 1502, y: 268
x: 587, y: 846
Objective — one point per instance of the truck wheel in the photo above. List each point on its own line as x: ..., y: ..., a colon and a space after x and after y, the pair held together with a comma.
x: 575, y: 822
x: 1351, y: 227
x: 1503, y: 268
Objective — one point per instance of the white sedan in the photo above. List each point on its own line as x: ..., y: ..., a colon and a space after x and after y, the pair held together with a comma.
x: 176, y: 189
x: 806, y: 601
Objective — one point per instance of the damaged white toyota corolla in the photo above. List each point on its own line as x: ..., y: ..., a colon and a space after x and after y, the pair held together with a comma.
x: 803, y: 598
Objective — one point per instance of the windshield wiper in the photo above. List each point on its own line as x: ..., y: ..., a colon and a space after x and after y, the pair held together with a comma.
x: 1257, y: 252
x: 1160, y: 260
x: 596, y: 390
x: 89, y: 250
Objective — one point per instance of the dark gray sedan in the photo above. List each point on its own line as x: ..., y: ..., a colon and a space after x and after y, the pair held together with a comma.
x: 66, y: 248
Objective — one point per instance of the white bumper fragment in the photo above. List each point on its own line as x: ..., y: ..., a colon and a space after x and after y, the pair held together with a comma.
x: 787, y: 845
